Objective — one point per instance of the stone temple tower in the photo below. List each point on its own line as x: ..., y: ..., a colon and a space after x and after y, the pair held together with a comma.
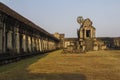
x: 86, y: 34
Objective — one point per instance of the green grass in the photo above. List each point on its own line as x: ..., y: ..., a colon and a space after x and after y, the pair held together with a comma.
x: 94, y: 65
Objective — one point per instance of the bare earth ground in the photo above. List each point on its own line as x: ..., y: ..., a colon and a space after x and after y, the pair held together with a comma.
x: 94, y: 65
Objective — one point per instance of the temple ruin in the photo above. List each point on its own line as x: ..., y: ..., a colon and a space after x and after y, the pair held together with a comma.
x: 86, y: 34
x: 86, y: 40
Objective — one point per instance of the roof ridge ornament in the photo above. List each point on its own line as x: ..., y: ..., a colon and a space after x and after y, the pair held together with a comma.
x: 80, y: 20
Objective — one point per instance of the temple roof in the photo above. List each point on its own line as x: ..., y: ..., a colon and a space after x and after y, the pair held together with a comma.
x: 5, y: 9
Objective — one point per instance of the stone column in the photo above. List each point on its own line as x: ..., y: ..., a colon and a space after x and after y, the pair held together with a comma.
x: 46, y: 43
x: 18, y: 42
x: 39, y: 44
x: 91, y: 33
x: 24, y: 43
x: 16, y: 39
x: 1, y: 36
x: 49, y: 44
x: 85, y: 34
x: 29, y: 43
x: 1, y: 40
x: 9, y: 40
x: 33, y: 44
x: 81, y: 34
x: 2, y: 33
x: 4, y: 37
x: 35, y: 47
x: 43, y: 45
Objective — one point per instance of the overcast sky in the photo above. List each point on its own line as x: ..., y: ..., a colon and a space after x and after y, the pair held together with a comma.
x: 60, y: 15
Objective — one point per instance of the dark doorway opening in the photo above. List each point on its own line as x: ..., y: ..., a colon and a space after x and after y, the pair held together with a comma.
x: 87, y: 33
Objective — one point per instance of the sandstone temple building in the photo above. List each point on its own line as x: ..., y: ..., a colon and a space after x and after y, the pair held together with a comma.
x: 86, y: 34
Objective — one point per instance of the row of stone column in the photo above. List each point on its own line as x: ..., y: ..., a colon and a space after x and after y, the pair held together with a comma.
x: 14, y: 41
x: 37, y: 44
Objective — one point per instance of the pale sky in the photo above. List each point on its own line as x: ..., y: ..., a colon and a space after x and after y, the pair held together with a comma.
x: 60, y: 15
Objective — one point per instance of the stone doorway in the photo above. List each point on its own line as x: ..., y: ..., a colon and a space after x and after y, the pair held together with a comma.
x: 88, y: 33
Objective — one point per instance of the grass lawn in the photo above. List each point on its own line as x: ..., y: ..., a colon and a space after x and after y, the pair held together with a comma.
x: 94, y: 65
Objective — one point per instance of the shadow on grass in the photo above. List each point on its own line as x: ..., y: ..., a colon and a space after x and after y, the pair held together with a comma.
x: 58, y: 76
x: 24, y: 62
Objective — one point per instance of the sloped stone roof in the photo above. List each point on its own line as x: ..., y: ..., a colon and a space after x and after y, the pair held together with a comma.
x: 5, y: 9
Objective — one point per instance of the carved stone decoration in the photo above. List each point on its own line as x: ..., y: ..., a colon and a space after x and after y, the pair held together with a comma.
x: 80, y: 20
x: 87, y: 23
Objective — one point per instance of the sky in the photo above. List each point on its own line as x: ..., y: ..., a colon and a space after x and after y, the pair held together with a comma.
x: 61, y: 15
